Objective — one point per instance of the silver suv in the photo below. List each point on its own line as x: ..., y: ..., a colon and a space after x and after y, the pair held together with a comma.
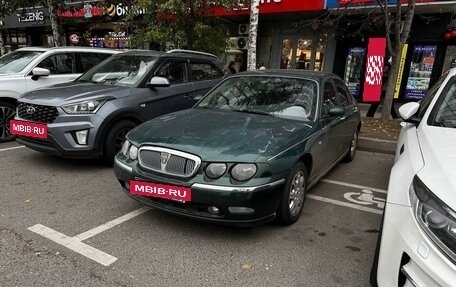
x: 30, y: 68
x: 90, y: 116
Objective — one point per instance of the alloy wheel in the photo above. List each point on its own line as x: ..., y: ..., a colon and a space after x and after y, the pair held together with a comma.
x: 297, y: 193
x: 6, y: 114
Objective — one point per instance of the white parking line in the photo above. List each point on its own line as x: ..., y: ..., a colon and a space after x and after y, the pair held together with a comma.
x: 11, y: 148
x: 346, y: 204
x: 353, y: 185
x: 75, y: 243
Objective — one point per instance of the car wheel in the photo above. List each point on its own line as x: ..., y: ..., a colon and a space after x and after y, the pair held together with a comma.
x: 373, y: 273
x: 352, y: 149
x: 7, y: 113
x: 115, y: 138
x: 294, y: 195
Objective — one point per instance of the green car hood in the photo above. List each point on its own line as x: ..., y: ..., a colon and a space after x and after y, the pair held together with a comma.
x: 225, y: 136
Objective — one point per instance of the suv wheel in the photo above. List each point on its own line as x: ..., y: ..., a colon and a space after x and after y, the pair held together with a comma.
x: 115, y: 138
x: 7, y: 113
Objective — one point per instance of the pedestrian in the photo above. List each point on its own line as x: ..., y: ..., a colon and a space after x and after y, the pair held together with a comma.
x: 261, y: 65
x: 230, y: 70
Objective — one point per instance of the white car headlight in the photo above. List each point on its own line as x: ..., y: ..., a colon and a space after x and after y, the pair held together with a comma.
x: 86, y: 107
x: 435, y: 217
x: 133, y: 152
x: 215, y: 170
x: 243, y: 171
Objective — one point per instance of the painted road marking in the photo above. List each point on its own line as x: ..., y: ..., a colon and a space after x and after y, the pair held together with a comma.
x: 346, y: 204
x: 11, y: 148
x: 75, y: 243
x: 353, y: 185
x: 365, y: 197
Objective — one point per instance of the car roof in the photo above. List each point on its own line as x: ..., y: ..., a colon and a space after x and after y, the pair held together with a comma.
x: 186, y: 55
x: 69, y: 48
x: 315, y: 75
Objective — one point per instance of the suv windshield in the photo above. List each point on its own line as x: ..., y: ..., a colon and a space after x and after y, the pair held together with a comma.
x: 16, y: 61
x: 122, y: 70
x: 275, y: 96
x: 446, y: 108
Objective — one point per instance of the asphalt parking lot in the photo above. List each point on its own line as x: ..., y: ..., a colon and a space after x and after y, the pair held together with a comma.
x: 66, y: 223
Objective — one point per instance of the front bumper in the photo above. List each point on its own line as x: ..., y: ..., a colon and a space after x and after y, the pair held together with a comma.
x: 263, y: 199
x: 61, y: 138
x: 407, y: 254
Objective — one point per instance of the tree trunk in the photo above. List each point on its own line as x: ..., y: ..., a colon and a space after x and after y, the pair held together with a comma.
x: 54, y: 25
x: 394, y: 71
x: 253, y: 32
x: 2, y: 44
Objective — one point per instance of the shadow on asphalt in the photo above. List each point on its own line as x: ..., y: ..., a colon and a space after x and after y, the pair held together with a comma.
x: 66, y: 163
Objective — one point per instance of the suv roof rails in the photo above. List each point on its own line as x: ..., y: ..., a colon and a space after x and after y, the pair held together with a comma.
x: 192, y: 52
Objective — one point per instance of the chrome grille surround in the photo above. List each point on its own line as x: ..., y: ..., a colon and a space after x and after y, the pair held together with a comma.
x: 168, y: 161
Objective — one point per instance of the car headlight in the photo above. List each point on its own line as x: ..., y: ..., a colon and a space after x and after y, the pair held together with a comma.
x: 133, y: 152
x: 86, y: 107
x: 243, y: 171
x: 434, y: 217
x: 125, y: 147
x: 215, y: 170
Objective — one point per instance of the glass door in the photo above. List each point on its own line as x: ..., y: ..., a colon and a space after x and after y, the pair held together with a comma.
x: 303, y: 53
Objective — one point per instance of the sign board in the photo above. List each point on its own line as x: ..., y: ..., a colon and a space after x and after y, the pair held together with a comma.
x: 30, y: 18
x: 420, y: 72
x: 374, y: 69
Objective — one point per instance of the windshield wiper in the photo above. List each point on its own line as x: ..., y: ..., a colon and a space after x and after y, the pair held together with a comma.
x: 252, y: 112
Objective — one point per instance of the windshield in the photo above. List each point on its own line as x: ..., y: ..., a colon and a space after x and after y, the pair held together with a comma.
x: 270, y: 95
x: 16, y: 61
x: 446, y: 108
x: 123, y: 70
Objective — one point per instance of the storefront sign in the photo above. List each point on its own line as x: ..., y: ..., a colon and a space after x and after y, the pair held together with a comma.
x: 29, y: 18
x: 401, y: 71
x: 353, y: 70
x: 273, y: 6
x: 374, y: 69
x: 420, y: 72
x: 96, y: 10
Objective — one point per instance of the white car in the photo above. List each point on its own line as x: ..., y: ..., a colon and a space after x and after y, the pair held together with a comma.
x: 418, y: 234
x: 27, y: 69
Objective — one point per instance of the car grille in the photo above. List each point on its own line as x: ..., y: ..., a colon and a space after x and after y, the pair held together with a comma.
x: 168, y: 161
x: 37, y: 113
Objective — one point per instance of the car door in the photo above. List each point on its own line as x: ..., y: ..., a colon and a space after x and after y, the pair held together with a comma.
x: 62, y: 67
x: 349, y: 121
x: 163, y: 100
x: 332, y: 127
x: 204, y: 76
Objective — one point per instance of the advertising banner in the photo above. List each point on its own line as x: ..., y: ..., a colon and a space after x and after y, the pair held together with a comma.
x: 420, y: 72
x: 374, y: 69
x: 401, y: 71
x: 353, y: 70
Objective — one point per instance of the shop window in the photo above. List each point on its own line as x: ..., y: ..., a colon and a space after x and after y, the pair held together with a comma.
x: 303, y: 54
x: 286, y: 54
x: 205, y: 71
x: 59, y: 64
x: 320, y: 52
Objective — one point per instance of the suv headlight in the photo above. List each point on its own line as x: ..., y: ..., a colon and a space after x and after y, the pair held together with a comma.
x: 435, y: 217
x: 86, y: 107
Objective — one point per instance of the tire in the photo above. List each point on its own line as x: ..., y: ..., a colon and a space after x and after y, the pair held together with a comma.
x: 115, y: 138
x: 294, y: 195
x: 373, y: 273
x: 7, y: 113
x: 352, y: 148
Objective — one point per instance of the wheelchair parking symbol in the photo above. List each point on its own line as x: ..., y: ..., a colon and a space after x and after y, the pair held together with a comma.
x: 365, y: 197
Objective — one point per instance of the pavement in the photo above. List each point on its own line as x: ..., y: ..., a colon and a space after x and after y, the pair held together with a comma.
x: 372, y: 144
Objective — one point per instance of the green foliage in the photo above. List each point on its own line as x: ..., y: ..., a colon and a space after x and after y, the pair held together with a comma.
x: 183, y: 24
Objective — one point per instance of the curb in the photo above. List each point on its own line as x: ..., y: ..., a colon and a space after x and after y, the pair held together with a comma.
x: 377, y: 145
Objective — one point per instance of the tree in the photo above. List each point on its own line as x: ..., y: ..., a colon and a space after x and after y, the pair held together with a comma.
x: 390, y: 20
x: 183, y: 24
x: 252, y: 47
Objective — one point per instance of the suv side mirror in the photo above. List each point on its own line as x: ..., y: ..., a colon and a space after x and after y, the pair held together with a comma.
x: 336, y: 111
x: 158, y: 81
x: 408, y: 112
x: 39, y: 72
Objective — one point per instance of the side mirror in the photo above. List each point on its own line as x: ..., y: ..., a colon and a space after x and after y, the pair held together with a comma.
x: 157, y: 81
x: 408, y: 111
x: 39, y: 72
x: 336, y: 111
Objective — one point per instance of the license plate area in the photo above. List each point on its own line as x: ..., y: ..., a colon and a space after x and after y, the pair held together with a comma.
x: 29, y: 129
x: 157, y: 190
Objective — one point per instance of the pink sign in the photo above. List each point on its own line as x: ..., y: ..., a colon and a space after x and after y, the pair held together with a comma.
x: 28, y: 129
x: 374, y: 69
x: 178, y: 193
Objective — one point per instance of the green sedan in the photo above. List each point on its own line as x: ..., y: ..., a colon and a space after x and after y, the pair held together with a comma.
x: 247, y: 152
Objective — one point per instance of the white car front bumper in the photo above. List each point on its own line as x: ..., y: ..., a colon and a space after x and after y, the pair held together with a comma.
x: 407, y: 254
